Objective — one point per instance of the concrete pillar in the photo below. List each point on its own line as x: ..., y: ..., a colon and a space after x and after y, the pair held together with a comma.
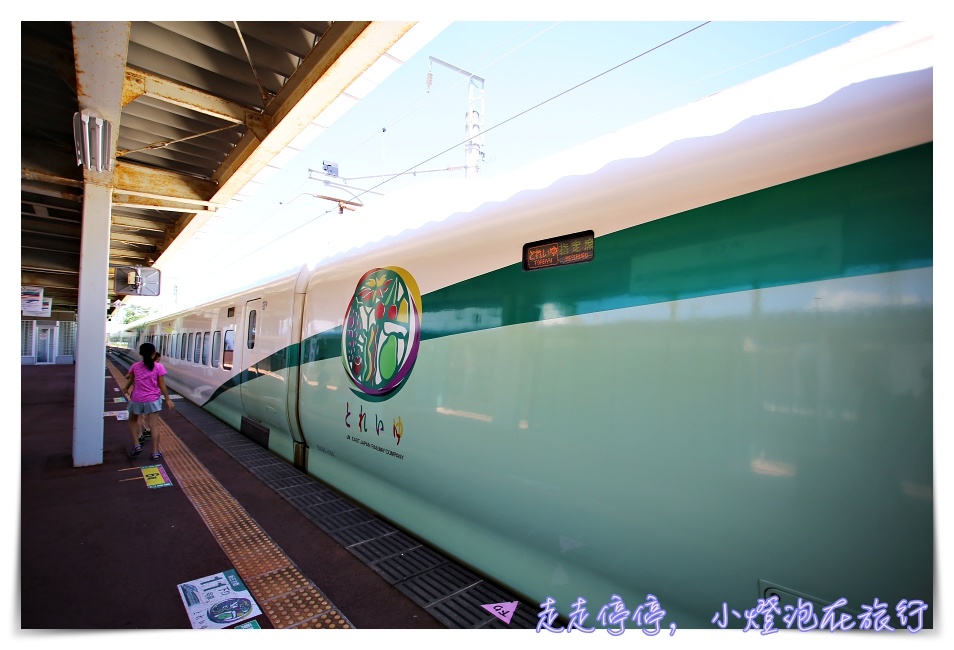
x: 100, y: 49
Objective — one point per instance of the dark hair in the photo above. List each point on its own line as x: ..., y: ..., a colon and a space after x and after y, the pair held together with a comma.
x: 148, y: 350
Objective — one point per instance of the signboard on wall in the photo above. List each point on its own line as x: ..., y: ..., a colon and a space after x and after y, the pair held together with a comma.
x: 44, y: 309
x: 31, y: 298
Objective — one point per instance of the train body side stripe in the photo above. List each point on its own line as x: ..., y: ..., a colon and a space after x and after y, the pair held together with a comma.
x: 739, y: 244
x: 285, y: 358
x: 841, y: 223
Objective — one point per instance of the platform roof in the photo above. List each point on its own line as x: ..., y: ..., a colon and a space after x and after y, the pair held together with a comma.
x: 206, y: 107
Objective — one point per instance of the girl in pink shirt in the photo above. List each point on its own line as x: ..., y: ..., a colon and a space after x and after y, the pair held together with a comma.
x: 148, y: 388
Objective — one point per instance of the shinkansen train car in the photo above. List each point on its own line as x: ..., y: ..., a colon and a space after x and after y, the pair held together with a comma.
x: 686, y: 368
x: 211, y: 352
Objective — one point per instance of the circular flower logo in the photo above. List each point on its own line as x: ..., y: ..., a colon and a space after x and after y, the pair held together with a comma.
x: 382, y: 330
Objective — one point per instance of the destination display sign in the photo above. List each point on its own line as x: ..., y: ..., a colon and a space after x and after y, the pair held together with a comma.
x: 558, y: 251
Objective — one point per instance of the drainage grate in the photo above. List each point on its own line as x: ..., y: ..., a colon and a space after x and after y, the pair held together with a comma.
x: 438, y: 583
x: 345, y: 519
x: 307, y: 488
x: 409, y: 564
x: 321, y: 510
x: 379, y: 548
x: 361, y: 532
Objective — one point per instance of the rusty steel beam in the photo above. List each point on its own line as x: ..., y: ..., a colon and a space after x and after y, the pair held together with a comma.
x: 132, y: 222
x: 40, y: 242
x: 130, y: 238
x: 153, y: 204
x: 128, y: 193
x: 39, y: 161
x: 40, y: 176
x: 130, y: 177
x: 57, y: 261
x: 33, y: 188
x: 138, y: 84
x: 50, y: 280
x: 116, y: 254
x: 32, y: 225
x: 48, y: 206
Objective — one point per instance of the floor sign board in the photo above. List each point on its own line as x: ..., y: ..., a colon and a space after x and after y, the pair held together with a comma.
x: 218, y: 601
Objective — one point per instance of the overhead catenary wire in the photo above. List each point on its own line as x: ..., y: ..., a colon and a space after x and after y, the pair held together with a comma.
x: 547, y: 101
x: 739, y: 65
x: 411, y: 109
x: 510, y: 119
x: 430, y: 99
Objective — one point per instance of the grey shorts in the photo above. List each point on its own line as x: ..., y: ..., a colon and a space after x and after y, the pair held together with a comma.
x: 143, y: 408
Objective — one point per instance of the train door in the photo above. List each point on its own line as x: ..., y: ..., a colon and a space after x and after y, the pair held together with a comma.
x: 228, y: 348
x: 246, y: 349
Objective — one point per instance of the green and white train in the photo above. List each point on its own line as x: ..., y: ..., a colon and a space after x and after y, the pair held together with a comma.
x: 691, y: 360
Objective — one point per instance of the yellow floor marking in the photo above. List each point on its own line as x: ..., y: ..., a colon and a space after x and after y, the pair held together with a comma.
x: 285, y: 595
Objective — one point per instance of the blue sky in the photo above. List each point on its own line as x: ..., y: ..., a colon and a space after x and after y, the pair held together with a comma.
x: 526, y: 63
x: 549, y: 85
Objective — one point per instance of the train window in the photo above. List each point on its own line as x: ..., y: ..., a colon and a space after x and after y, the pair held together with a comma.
x: 228, y: 351
x: 183, y: 339
x: 216, y: 345
x: 198, y: 348
x: 205, y: 349
x: 251, y: 329
x: 231, y: 312
x: 190, y: 346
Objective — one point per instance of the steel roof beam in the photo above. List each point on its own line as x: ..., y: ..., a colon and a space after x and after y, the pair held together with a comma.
x: 45, y: 207
x: 128, y: 238
x: 138, y: 84
x: 342, y: 55
x: 29, y: 224
x: 141, y: 224
x: 50, y: 280
x: 137, y: 178
x: 40, y: 190
x: 27, y: 174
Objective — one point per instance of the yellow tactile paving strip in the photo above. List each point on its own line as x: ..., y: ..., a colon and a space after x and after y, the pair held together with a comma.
x: 285, y: 595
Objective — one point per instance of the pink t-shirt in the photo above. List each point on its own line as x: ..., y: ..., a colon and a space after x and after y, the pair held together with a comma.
x: 146, y: 382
